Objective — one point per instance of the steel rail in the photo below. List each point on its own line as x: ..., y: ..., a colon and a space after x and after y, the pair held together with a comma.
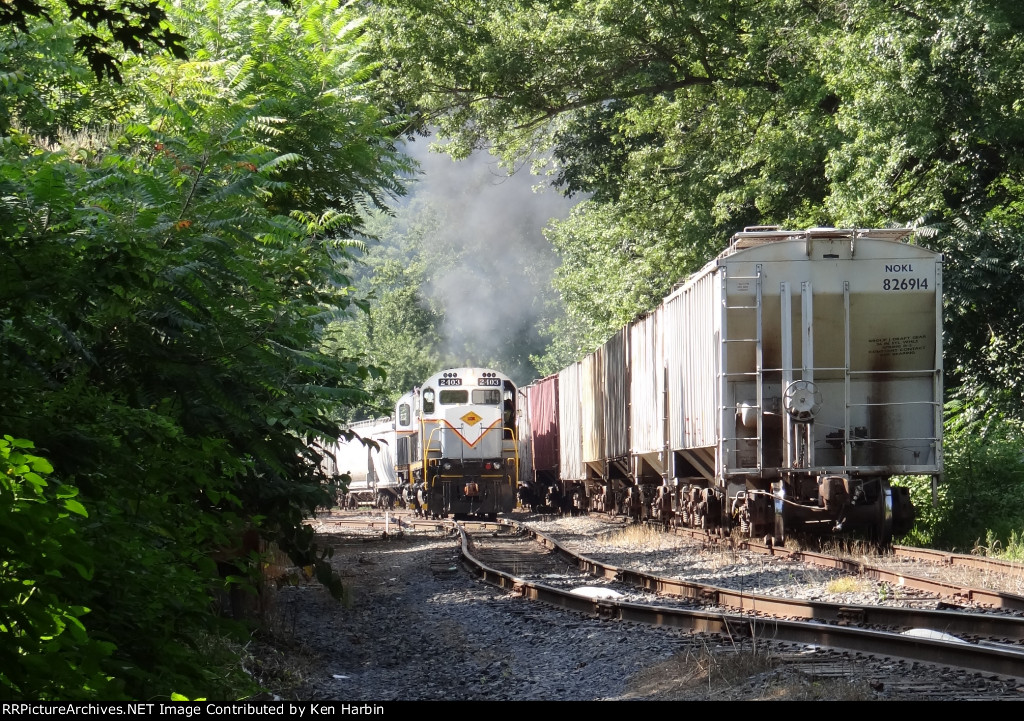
x: 951, y: 622
x: 947, y: 558
x: 996, y: 599
x: 955, y: 592
x: 1002, y: 661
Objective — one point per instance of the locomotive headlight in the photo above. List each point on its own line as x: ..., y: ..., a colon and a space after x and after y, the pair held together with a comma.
x: 497, y: 466
x: 447, y: 466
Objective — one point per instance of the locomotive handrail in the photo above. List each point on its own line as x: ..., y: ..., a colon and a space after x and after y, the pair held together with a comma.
x: 515, y: 454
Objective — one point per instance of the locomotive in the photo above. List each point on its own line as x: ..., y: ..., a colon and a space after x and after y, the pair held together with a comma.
x: 456, y: 444
x: 777, y: 389
x: 451, y: 448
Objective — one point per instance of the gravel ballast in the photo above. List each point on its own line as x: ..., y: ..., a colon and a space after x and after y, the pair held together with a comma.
x: 417, y: 626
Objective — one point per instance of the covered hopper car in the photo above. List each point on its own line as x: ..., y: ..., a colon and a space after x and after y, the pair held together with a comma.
x: 370, y: 467
x: 779, y: 388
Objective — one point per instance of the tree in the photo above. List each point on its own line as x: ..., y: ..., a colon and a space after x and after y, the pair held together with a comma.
x: 101, y: 31
x: 165, y: 293
x: 640, y: 106
x: 46, y: 653
x: 686, y: 122
x: 397, y: 334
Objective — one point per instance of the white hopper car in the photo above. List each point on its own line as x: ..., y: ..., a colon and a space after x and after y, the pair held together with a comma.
x: 369, y: 466
x: 779, y: 388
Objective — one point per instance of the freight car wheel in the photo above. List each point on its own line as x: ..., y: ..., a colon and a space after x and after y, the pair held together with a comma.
x: 903, y: 513
x: 884, y: 525
x: 780, y: 530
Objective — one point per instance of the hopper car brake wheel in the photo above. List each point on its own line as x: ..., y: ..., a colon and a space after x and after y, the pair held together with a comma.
x: 802, y: 400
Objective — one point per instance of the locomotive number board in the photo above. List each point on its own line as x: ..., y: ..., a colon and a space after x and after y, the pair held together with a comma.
x: 488, y: 381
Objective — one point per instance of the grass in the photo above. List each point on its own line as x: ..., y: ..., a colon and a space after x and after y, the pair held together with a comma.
x: 274, y: 660
x: 734, y: 674
x: 703, y: 673
x: 639, y: 537
x: 848, y: 548
x: 847, y: 584
x: 1013, y: 550
x: 228, y: 667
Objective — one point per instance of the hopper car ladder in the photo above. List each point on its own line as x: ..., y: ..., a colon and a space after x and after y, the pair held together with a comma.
x: 729, y: 440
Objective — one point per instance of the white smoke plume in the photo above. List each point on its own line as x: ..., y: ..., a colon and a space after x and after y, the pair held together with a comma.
x: 494, y: 291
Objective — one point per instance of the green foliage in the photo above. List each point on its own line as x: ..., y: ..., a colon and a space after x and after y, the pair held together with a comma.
x: 306, y: 72
x: 1011, y: 550
x: 983, y: 485
x: 984, y: 302
x: 101, y: 31
x: 614, y: 267
x: 45, y: 91
x: 138, y: 296
x: 46, y: 653
x: 930, y: 509
x: 685, y: 125
x: 682, y: 127
x: 398, y: 333
x: 166, y: 286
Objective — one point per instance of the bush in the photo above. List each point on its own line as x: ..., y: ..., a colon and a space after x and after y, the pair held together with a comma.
x: 46, y: 652
x: 981, y: 498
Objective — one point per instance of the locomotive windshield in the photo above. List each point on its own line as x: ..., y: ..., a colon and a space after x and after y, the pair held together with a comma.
x: 453, y: 398
x: 486, y: 396
x: 481, y: 397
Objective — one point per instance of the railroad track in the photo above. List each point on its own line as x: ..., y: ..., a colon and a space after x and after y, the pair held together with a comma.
x: 532, y: 565
x: 917, y: 560
x: 966, y: 560
x: 898, y: 575
x: 388, y: 523
x: 907, y: 568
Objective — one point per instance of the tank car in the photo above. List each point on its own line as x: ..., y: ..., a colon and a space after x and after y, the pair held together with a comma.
x: 369, y: 466
x: 458, y: 451
x: 779, y: 388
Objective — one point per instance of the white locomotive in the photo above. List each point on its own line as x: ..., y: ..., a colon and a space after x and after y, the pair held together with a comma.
x: 778, y: 388
x: 457, y: 450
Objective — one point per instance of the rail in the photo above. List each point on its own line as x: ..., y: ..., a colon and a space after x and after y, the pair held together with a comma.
x: 1003, y: 661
